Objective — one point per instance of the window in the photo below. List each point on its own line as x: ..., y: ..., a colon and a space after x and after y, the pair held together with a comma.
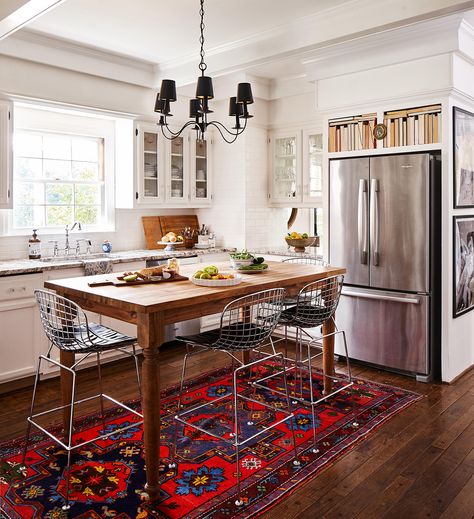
x: 58, y: 179
x: 63, y: 170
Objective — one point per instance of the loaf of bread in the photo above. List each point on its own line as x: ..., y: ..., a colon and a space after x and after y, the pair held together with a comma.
x: 151, y: 271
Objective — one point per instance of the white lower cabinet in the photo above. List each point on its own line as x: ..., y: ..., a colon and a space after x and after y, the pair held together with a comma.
x: 20, y: 326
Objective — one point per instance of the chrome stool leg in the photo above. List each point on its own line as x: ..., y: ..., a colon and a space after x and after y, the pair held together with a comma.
x: 137, y: 370
x: 32, y: 407
x: 101, y: 391
x: 239, y: 501
x: 172, y: 464
x: 66, y: 505
x: 296, y: 462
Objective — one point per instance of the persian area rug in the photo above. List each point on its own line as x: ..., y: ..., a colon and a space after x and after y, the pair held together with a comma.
x: 108, y: 476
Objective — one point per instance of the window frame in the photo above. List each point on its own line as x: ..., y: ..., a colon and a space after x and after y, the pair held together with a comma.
x: 49, y: 120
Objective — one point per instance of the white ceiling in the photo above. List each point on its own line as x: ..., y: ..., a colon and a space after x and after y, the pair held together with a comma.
x: 161, y: 31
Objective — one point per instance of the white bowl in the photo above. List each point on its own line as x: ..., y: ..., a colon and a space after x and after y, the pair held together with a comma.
x: 238, y: 263
x: 217, y: 282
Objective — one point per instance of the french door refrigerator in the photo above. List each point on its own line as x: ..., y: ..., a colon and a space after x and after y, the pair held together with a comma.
x: 381, y: 231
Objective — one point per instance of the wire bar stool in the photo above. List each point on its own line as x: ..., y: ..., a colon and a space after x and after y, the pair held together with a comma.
x: 289, y: 301
x: 316, y: 303
x: 67, y: 328
x: 246, y: 323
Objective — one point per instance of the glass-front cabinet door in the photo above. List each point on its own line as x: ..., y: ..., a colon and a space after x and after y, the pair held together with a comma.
x: 150, y: 165
x: 200, y: 171
x: 312, y: 167
x: 177, y: 171
x: 286, y: 171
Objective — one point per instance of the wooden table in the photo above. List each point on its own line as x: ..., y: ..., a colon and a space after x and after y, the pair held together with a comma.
x: 152, y: 307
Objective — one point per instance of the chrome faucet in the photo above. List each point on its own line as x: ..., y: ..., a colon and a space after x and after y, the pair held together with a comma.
x: 66, y: 245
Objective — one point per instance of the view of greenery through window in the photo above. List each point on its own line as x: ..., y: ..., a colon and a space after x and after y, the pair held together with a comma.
x: 58, y: 179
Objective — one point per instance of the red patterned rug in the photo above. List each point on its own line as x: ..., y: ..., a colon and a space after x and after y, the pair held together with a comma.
x: 108, y: 475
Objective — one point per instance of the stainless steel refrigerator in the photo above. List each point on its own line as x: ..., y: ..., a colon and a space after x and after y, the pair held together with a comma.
x: 381, y: 230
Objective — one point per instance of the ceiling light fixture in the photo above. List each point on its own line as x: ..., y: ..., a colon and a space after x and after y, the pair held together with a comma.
x: 199, y: 107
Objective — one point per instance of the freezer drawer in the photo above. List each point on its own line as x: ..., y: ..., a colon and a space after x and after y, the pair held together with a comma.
x: 385, y: 328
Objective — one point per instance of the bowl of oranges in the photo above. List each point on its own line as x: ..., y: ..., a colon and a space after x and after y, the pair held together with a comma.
x: 301, y: 240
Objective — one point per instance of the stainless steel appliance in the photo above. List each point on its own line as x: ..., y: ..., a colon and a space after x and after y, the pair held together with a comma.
x: 382, y: 213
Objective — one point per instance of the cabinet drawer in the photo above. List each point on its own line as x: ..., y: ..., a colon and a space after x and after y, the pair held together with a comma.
x: 19, y: 287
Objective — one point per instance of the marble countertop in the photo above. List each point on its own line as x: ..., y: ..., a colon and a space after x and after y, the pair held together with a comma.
x: 27, y: 266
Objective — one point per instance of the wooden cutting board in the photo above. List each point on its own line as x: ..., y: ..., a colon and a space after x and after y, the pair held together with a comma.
x: 155, y: 227
x: 120, y: 283
x: 153, y: 232
x: 178, y: 222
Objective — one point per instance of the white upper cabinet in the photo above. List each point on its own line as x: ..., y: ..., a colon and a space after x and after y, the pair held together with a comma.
x: 177, y: 171
x: 285, y: 173
x: 312, y: 167
x: 296, y: 168
x: 201, y: 171
x: 6, y: 154
x: 150, y: 154
x: 174, y: 173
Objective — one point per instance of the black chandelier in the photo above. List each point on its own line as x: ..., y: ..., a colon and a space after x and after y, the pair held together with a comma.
x: 199, y: 107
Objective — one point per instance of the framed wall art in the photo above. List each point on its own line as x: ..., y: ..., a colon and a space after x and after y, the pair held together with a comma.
x: 463, y: 268
x: 463, y: 152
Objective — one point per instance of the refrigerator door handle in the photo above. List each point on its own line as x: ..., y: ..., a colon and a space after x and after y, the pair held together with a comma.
x: 416, y: 300
x: 362, y: 221
x: 375, y: 227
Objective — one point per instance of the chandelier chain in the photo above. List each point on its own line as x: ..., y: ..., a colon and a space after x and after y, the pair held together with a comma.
x: 202, y: 64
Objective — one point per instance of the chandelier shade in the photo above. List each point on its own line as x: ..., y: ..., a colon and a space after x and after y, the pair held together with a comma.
x: 199, y: 107
x: 204, y: 89
x: 244, y: 93
x: 168, y: 90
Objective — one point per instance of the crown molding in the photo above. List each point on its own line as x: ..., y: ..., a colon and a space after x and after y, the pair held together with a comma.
x: 12, y: 21
x: 57, y: 52
x: 409, y: 43
x: 305, y: 37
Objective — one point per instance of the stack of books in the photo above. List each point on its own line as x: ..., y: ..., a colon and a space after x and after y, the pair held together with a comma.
x: 413, y: 126
x: 352, y: 133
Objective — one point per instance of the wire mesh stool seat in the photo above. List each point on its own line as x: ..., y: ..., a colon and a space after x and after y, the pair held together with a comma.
x: 67, y: 328
x: 291, y: 301
x: 246, y: 323
x: 315, y: 304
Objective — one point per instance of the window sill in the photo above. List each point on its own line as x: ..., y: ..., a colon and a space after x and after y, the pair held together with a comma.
x: 60, y: 231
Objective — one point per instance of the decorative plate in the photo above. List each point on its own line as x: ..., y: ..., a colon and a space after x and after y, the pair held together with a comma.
x: 380, y: 131
x: 217, y: 282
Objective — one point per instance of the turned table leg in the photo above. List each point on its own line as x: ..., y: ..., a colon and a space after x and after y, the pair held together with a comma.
x: 150, y: 337
x: 328, y: 353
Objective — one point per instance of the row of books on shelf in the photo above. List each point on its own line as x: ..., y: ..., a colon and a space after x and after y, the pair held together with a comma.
x: 413, y: 129
x: 351, y: 134
x: 407, y: 127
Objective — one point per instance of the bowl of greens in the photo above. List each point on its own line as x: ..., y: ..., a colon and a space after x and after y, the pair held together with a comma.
x: 241, y: 259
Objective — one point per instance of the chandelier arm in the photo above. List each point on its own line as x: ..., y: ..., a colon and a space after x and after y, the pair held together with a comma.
x: 174, y: 135
x: 228, y: 141
x: 237, y: 133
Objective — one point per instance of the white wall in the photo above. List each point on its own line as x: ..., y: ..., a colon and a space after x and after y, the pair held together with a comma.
x: 459, y: 332
x: 240, y: 215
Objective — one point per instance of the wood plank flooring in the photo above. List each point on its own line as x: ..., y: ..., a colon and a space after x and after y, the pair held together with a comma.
x: 420, y: 464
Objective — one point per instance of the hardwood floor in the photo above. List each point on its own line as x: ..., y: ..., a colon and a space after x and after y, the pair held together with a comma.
x: 420, y: 464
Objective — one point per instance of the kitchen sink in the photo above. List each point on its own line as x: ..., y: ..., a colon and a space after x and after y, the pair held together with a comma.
x: 85, y: 257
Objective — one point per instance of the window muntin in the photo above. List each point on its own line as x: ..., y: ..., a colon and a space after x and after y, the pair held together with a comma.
x: 58, y: 179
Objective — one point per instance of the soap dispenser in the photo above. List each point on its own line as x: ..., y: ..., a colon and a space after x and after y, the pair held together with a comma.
x: 34, y: 246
